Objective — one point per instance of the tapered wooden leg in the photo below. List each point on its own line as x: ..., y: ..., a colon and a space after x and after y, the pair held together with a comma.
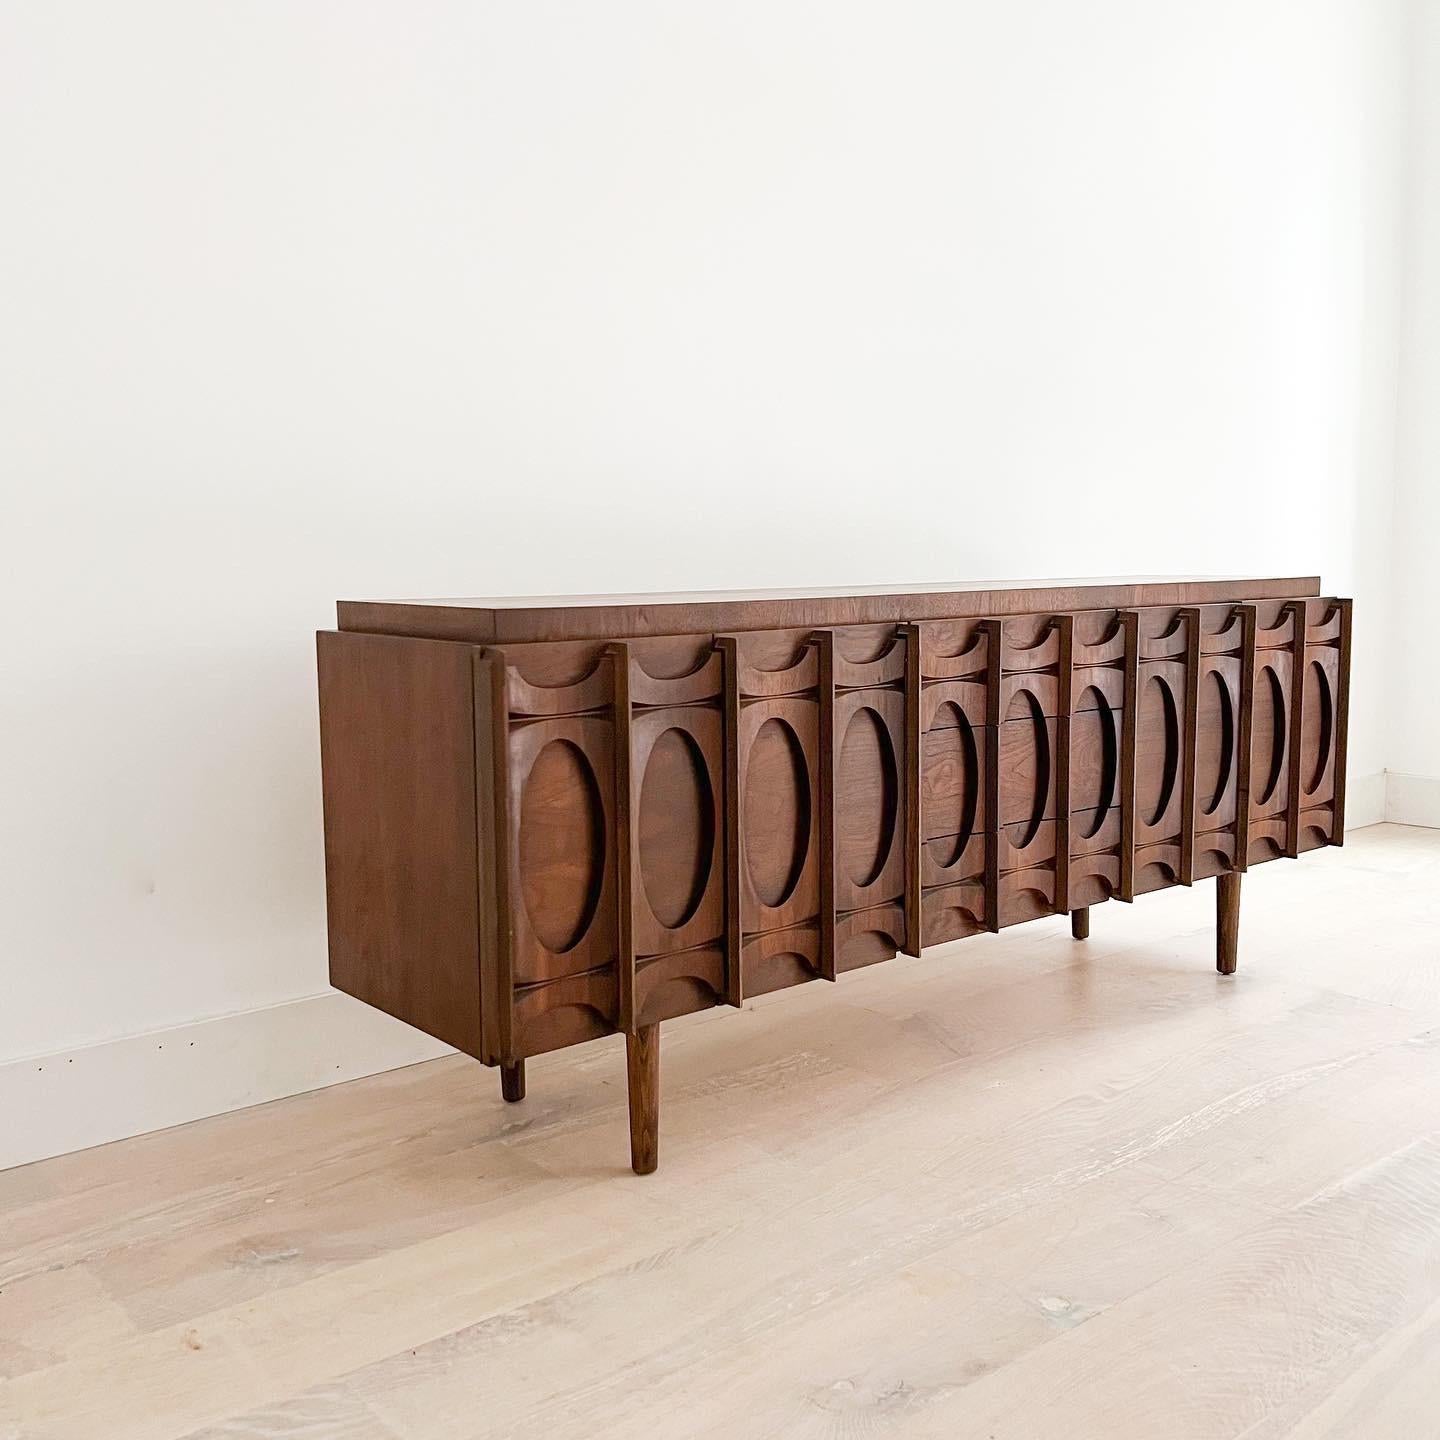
x: 512, y: 1081
x: 1227, y: 922
x: 1080, y: 923
x: 642, y: 1061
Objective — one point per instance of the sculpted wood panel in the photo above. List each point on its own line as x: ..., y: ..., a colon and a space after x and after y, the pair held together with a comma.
x: 867, y: 790
x: 778, y: 807
x: 1094, y: 762
x: 562, y: 847
x: 1217, y: 733
x: 675, y: 828
x: 672, y: 957
x: 649, y: 823
x: 876, y: 855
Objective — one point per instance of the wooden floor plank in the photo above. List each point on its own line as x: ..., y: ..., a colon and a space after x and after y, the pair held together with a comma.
x: 1022, y: 1186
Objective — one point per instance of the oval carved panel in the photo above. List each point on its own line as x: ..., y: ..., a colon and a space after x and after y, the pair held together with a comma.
x: 1217, y: 749
x: 868, y: 790
x: 562, y: 846
x: 675, y: 828
x: 1159, y: 722
x: 1269, y: 752
x: 1317, y: 722
x: 1093, y: 782
x: 1026, y: 707
x: 965, y: 781
x: 777, y: 812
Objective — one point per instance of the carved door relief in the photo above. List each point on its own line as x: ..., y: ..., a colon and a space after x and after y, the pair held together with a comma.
x: 670, y: 754
x: 1322, y: 723
x: 777, y: 802
x: 956, y: 725
x: 1029, y: 765
x: 1099, y: 786
x: 670, y: 823
x: 1166, y: 696
x: 550, y: 806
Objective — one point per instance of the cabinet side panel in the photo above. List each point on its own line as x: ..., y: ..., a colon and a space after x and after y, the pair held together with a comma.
x: 398, y: 765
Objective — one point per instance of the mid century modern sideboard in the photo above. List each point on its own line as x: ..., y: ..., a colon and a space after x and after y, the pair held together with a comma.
x: 548, y: 820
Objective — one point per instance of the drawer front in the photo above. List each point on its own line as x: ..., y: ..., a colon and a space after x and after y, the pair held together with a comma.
x: 676, y: 822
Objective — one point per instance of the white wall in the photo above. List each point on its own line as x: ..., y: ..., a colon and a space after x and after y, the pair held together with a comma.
x: 1412, y: 745
x: 299, y: 302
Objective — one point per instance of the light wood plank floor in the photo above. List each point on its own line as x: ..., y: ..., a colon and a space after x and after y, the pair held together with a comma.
x: 1022, y: 1187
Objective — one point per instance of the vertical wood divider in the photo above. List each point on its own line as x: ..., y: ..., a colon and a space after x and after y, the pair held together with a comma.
x: 619, y: 654
x: 828, y: 762
x: 729, y: 648
x: 1129, y: 738
x: 492, y: 779
x: 1245, y: 737
x: 914, y: 831
x: 1342, y: 726
x: 1192, y: 745
x: 994, y: 639
x: 1296, y: 610
x: 1064, y: 704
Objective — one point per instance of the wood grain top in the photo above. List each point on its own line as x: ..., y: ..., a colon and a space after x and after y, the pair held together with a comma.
x: 519, y: 619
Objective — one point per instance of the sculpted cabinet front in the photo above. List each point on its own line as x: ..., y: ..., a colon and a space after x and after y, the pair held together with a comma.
x: 655, y: 823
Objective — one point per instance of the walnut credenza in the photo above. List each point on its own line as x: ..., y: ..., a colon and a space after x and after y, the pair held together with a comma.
x: 550, y: 820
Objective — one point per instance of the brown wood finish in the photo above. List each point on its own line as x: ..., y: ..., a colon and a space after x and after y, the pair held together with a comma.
x: 514, y: 620
x: 397, y: 760
x: 1227, y: 922
x: 642, y: 1064
x: 512, y: 1081
x: 1080, y: 924
x: 584, y: 830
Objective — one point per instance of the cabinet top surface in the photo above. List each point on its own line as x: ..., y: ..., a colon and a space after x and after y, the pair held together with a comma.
x: 524, y: 618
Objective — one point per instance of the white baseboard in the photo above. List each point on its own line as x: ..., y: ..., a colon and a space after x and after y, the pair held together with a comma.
x: 1412, y: 799
x: 1364, y: 800
x: 53, y: 1104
